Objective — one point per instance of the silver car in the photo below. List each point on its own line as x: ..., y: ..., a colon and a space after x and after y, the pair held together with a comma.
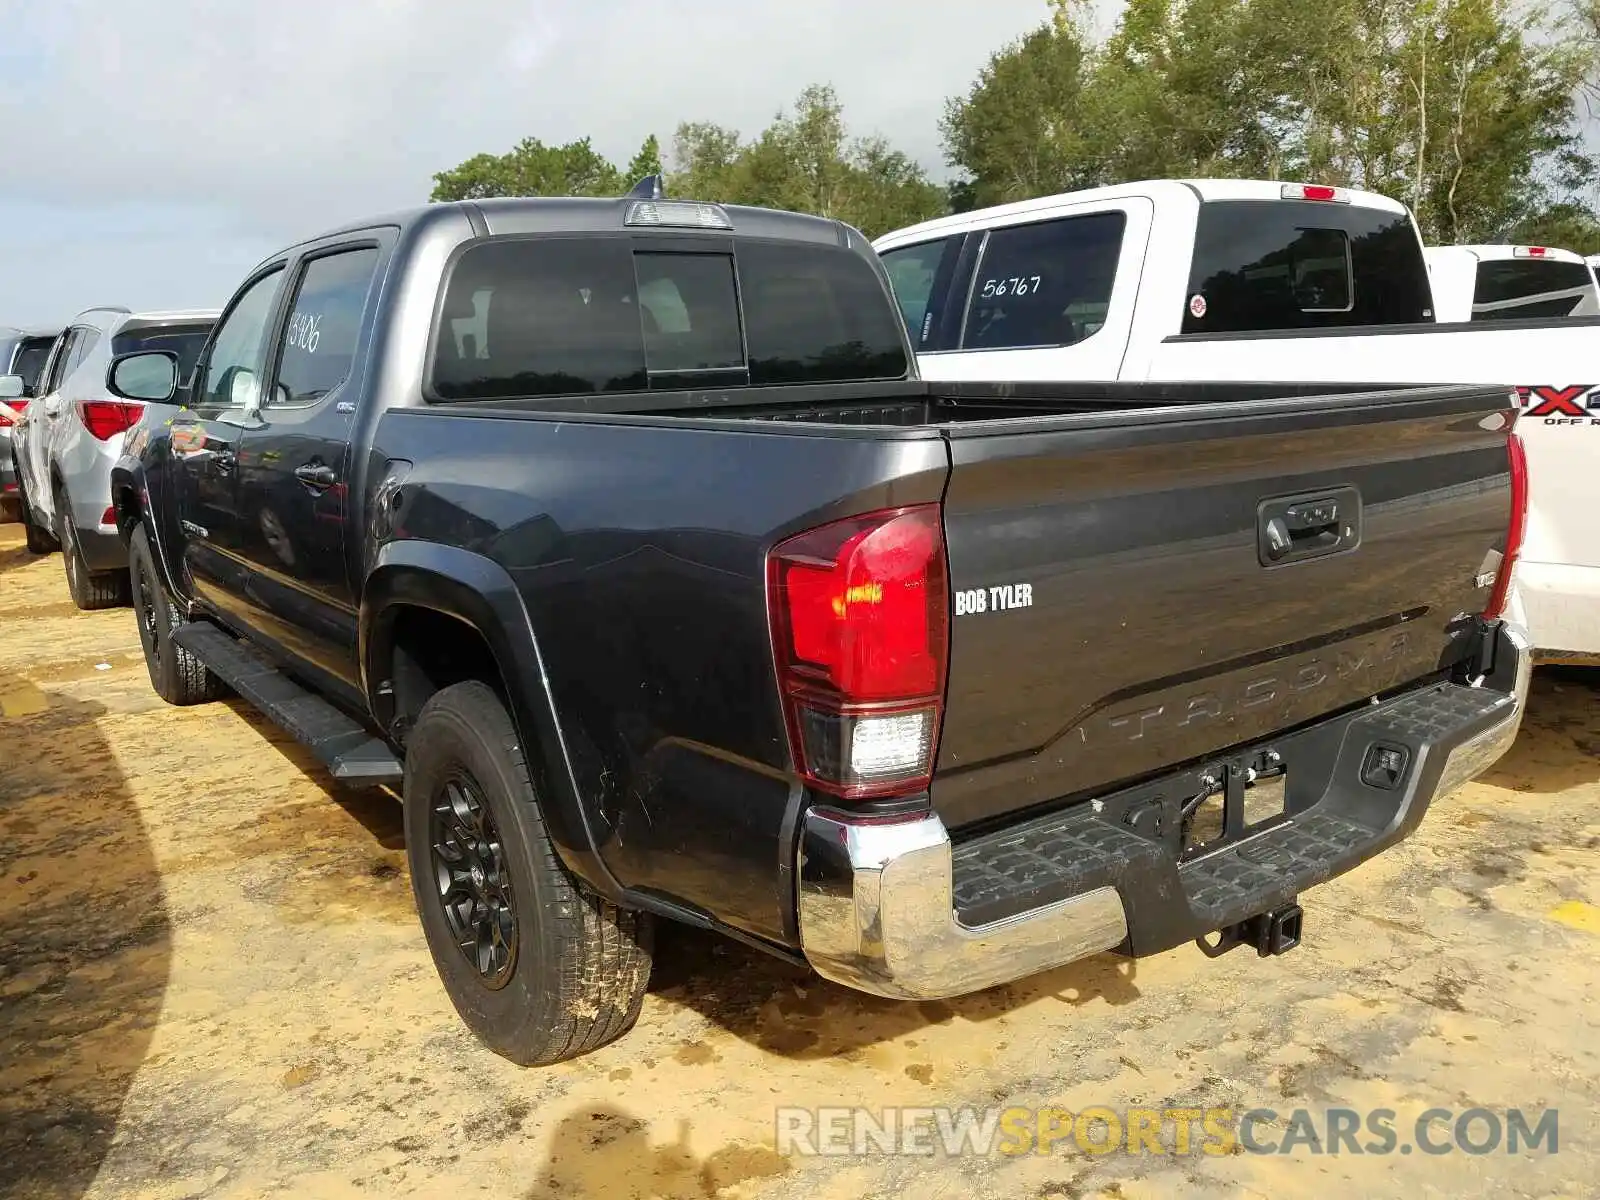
x: 23, y: 353
x: 73, y: 432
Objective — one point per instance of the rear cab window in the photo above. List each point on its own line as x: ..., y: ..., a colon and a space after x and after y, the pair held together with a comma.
x: 1264, y: 265
x: 1526, y: 289
x: 568, y: 316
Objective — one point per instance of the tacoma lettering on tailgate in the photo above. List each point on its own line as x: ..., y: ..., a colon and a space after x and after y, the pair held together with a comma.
x: 1224, y: 700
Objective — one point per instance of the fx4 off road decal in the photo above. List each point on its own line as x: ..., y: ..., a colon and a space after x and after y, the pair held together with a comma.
x: 1574, y: 404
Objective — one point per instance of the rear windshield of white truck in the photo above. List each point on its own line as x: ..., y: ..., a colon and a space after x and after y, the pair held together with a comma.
x: 186, y: 341
x: 1295, y: 264
x: 1527, y: 289
x: 527, y: 317
x: 31, y: 355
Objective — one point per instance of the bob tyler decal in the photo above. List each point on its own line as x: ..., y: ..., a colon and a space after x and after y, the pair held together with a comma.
x: 994, y: 599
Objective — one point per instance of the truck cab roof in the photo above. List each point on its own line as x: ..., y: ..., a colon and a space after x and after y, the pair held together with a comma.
x: 1159, y: 190
x: 502, y: 216
x: 1487, y: 253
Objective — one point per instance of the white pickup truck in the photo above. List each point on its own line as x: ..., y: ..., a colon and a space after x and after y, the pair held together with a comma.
x: 1506, y: 283
x: 1240, y: 281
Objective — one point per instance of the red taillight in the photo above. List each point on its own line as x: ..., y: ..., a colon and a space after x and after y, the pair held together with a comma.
x: 860, y: 625
x: 16, y: 406
x: 104, y: 419
x: 109, y: 517
x: 1530, y: 252
x: 1518, y: 528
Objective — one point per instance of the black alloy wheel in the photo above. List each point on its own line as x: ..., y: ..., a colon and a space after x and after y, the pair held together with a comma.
x: 469, y: 870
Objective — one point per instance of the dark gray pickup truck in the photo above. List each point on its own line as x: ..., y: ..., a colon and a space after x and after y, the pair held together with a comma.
x: 623, y: 537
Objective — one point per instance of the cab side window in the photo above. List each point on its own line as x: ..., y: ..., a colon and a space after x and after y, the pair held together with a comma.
x: 1046, y: 284
x: 919, y: 276
x: 233, y: 368
x: 319, y: 340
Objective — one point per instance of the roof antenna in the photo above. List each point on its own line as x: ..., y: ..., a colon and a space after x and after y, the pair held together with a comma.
x: 648, y: 188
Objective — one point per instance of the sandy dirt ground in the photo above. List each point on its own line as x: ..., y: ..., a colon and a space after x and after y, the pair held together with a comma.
x: 213, y: 983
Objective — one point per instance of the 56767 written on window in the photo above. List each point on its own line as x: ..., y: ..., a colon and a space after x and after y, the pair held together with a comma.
x: 1044, y: 284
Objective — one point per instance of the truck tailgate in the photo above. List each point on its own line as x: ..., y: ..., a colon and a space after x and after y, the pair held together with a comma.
x: 1137, y: 590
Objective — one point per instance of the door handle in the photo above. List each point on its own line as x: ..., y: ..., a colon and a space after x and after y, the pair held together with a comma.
x: 222, y: 461
x: 316, y: 476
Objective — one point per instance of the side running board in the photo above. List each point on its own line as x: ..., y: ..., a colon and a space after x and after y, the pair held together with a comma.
x: 348, y: 750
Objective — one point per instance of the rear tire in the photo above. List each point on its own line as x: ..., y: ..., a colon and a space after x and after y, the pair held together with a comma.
x: 177, y: 675
x: 40, y: 540
x: 539, y: 968
x: 90, y: 590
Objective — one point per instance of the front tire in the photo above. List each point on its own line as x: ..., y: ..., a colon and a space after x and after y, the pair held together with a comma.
x: 539, y: 968
x: 90, y: 590
x: 177, y: 675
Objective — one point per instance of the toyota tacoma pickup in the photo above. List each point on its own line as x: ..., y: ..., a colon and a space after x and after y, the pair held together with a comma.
x: 623, y: 539
x: 1237, y: 280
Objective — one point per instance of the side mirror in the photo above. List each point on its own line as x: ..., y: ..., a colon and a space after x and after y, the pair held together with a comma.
x: 149, y: 375
x: 244, y: 391
x: 12, y: 387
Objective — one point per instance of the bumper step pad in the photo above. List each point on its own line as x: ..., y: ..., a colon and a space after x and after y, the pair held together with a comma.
x: 1327, y: 830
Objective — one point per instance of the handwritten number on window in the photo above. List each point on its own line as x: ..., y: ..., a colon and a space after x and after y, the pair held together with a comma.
x: 305, y: 331
x: 1017, y: 285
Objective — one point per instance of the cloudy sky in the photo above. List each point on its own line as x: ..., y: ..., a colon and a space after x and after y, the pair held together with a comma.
x: 151, y: 151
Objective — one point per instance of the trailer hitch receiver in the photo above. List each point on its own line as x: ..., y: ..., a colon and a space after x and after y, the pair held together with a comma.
x: 1271, y: 933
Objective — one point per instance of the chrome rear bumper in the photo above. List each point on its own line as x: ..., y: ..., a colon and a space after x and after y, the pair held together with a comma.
x: 877, y: 906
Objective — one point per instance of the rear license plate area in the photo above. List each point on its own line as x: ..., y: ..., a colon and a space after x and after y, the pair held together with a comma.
x: 1261, y: 805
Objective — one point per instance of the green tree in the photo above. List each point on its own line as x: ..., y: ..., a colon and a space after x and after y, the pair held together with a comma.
x: 703, y: 160
x: 1568, y: 224
x: 531, y: 169
x: 806, y: 161
x: 1463, y: 108
x: 885, y: 189
x: 1503, y: 141
x: 1021, y: 131
x: 646, y: 162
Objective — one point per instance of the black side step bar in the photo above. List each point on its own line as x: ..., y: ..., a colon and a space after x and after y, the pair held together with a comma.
x: 349, y: 751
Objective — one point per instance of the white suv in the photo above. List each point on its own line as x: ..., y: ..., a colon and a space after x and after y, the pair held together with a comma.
x: 71, y: 436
